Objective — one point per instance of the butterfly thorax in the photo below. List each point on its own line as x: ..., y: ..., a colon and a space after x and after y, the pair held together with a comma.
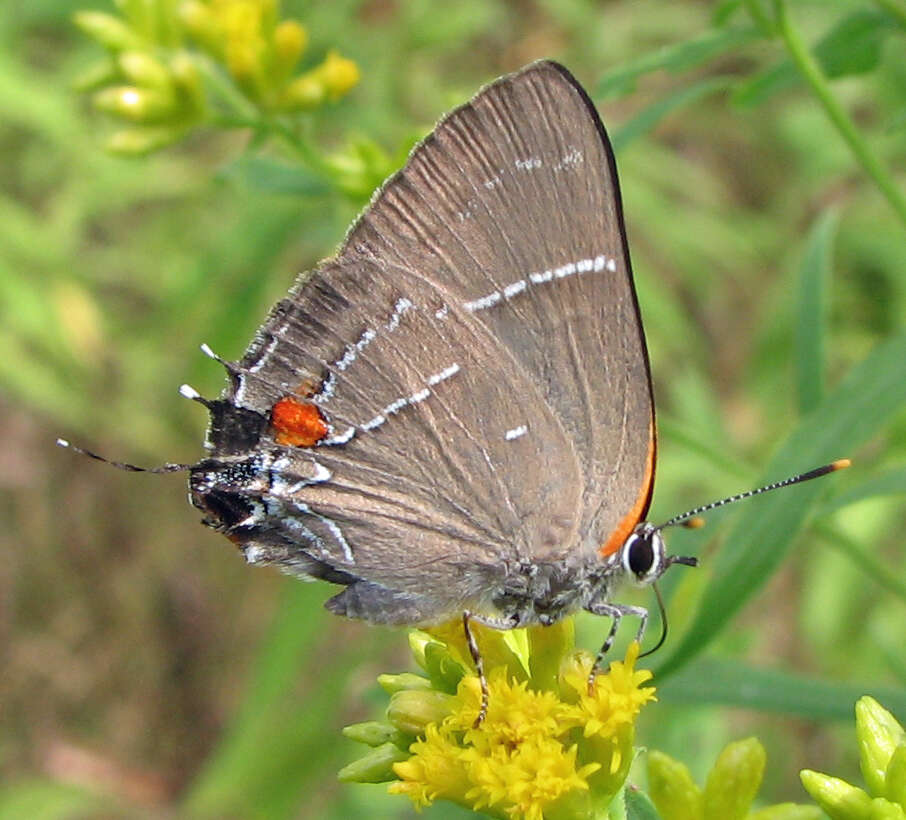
x: 543, y: 593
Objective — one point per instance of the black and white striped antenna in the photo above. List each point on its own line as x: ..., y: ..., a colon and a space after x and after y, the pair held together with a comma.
x: 690, y: 518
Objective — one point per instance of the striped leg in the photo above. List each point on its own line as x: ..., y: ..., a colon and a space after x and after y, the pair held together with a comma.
x: 616, y: 612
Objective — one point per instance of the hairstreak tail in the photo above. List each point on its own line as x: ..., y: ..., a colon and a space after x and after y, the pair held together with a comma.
x: 453, y: 417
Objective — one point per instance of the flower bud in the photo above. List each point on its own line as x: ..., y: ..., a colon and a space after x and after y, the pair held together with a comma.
x: 304, y: 92
x: 108, y: 30
x: 290, y: 41
x: 338, y: 74
x: 733, y: 782
x: 411, y: 711
x: 403, y: 683
x: 141, y: 68
x: 895, y: 777
x: 375, y: 767
x: 136, y: 104
x: 672, y: 789
x: 882, y: 809
x: 879, y: 734
x: 839, y: 799
x: 374, y: 733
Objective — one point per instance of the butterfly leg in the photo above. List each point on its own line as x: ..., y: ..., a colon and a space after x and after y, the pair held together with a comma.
x: 616, y: 613
x: 494, y: 623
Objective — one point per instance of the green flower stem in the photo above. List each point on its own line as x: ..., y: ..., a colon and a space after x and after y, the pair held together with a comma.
x: 811, y: 71
x: 301, y: 147
x: 225, y: 92
x: 242, y: 113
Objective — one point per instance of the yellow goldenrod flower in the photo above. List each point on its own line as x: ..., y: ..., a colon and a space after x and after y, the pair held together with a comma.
x: 290, y: 41
x: 338, y: 74
x: 181, y: 63
x: 330, y: 80
x: 546, y: 749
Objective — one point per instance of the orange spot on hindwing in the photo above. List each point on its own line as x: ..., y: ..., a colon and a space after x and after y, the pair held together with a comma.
x: 618, y: 537
x: 297, y: 423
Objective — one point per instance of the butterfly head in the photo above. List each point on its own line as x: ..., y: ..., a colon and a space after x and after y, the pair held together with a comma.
x: 644, y: 555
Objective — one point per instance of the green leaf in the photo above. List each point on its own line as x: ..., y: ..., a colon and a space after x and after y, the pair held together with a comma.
x: 649, y: 117
x: 811, y: 310
x: 716, y: 681
x: 852, y: 46
x: 639, y: 806
x: 675, y: 58
x: 892, y: 482
x: 873, y: 391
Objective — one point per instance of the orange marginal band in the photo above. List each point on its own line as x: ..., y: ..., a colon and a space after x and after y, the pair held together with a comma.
x: 627, y: 525
x: 297, y: 423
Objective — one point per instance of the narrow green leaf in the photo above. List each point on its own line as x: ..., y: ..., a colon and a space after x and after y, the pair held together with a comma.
x: 722, y: 682
x: 811, y: 313
x: 645, y: 121
x: 675, y: 58
x: 874, y: 390
x: 889, y: 483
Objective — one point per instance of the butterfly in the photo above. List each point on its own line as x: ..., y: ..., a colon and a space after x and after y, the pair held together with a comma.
x: 453, y: 417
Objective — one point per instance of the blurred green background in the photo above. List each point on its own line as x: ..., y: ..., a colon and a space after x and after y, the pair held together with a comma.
x: 146, y: 671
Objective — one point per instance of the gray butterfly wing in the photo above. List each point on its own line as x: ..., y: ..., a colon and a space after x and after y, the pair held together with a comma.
x: 477, y: 365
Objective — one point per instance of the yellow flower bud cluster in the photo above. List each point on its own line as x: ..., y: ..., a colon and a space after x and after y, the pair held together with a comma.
x: 176, y: 65
x: 729, y: 790
x: 547, y: 748
x: 882, y: 755
x: 157, y: 91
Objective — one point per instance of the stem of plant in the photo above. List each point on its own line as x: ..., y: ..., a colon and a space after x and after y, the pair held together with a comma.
x: 811, y: 71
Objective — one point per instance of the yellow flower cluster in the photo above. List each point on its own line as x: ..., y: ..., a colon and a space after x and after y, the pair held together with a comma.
x: 547, y: 751
x: 171, y: 66
x: 260, y: 51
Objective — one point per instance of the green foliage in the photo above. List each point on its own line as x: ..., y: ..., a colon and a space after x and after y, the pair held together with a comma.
x: 760, y: 150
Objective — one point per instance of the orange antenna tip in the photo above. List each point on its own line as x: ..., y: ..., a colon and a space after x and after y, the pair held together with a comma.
x: 840, y: 464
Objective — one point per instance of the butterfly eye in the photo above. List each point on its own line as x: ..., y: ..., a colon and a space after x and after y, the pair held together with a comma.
x: 643, y: 555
